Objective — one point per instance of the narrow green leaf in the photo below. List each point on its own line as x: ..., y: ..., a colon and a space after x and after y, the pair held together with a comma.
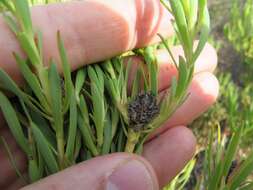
x: 144, y: 75
x: 107, y: 137
x: 72, y: 128
x: 169, y: 51
x: 202, y: 6
x: 29, y: 47
x: 45, y: 150
x: 153, y: 74
x: 231, y: 150
x: 208, y: 164
x: 31, y: 79
x: 166, y: 4
x: 44, y: 127
x: 173, y: 88
x: 100, y: 77
x: 98, y: 113
x: 8, y: 5
x: 34, y: 171
x: 136, y: 84
x: 115, y: 120
x: 8, y: 84
x: 57, y: 110
x: 80, y: 79
x: 35, y: 106
x: 84, y: 110
x: 203, y: 34
x: 121, y: 141
x: 85, y: 114
x: 39, y: 43
x: 112, y: 88
x: 97, y: 96
x: 152, y: 69
x: 181, y: 23
x: 13, y: 123
x: 215, y: 179
x: 87, y: 137
x: 107, y: 66
x: 23, y: 14
x: 78, y: 145
x: 66, y: 72
x: 186, y: 6
x: 92, y: 75
x: 182, y: 78
x: 126, y: 78
x: 193, y: 14
x: 56, y: 99
x: 242, y: 173
x: 41, y: 162
x: 121, y: 79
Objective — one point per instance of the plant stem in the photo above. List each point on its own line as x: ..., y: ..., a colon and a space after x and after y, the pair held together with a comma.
x: 60, y: 147
x: 132, y: 140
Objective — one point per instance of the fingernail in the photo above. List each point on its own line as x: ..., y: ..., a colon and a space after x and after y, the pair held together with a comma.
x: 132, y: 175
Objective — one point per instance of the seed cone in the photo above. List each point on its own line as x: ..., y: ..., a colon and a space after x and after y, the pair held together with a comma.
x: 142, y: 110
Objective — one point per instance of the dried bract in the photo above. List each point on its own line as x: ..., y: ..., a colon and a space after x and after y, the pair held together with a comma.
x: 142, y: 110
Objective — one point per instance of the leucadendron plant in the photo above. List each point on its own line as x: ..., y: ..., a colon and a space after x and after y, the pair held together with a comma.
x: 61, y: 120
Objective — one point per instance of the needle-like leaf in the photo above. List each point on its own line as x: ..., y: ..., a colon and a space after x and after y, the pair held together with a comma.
x: 13, y: 123
x: 45, y: 150
x: 72, y: 128
x: 68, y: 85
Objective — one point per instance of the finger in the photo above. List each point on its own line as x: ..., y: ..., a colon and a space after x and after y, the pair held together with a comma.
x: 203, y: 92
x: 115, y: 171
x: 7, y: 171
x: 206, y: 62
x: 10, y: 141
x: 105, y: 29
x: 169, y: 153
x: 176, y: 145
x: 17, y: 184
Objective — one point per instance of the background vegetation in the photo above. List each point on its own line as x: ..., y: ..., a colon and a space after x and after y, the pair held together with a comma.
x: 232, y: 35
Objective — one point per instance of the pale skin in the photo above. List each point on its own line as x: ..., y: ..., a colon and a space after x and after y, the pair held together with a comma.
x: 95, y: 30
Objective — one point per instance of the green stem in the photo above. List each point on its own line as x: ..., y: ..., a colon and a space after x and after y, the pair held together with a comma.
x: 60, y: 147
x: 132, y: 140
x: 33, y: 154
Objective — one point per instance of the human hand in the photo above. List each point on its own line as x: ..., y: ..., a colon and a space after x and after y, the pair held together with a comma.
x: 107, y: 29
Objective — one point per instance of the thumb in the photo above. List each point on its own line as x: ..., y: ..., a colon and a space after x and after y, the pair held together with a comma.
x: 118, y: 171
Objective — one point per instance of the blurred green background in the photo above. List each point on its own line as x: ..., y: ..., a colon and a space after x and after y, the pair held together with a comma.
x: 232, y: 36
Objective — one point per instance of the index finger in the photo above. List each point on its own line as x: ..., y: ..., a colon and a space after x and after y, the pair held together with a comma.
x: 93, y: 30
